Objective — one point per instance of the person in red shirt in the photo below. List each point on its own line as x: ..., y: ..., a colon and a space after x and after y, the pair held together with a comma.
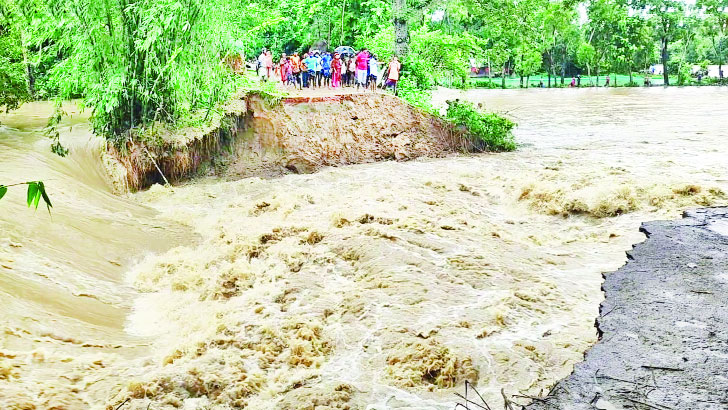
x: 362, y: 64
x: 336, y: 71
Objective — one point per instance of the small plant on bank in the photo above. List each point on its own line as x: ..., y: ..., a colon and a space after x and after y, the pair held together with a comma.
x: 485, y: 131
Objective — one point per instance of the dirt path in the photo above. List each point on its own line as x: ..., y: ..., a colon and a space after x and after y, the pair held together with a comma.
x: 663, y: 325
x: 327, y: 91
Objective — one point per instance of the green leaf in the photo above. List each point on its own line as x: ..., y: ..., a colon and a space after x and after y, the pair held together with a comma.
x: 32, y: 192
x: 45, y: 196
x: 3, y: 190
x: 36, y: 199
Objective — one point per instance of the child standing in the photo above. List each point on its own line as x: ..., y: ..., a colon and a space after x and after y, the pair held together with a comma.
x: 352, y: 71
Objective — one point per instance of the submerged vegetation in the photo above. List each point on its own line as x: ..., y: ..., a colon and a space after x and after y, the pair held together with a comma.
x: 486, y: 132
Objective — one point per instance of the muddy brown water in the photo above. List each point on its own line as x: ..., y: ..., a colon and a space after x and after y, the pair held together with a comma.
x: 374, y: 286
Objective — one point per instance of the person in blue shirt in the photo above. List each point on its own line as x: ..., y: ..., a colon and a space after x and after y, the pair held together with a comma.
x: 319, y: 68
x: 312, y: 64
x: 326, y: 68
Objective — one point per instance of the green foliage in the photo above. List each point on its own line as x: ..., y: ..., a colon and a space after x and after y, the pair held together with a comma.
x: 486, y: 84
x: 36, y: 191
x: 51, y: 131
x: 486, y: 131
x: 13, y: 85
x: 409, y: 91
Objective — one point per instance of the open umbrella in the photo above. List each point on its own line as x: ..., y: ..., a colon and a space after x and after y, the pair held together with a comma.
x: 345, y: 50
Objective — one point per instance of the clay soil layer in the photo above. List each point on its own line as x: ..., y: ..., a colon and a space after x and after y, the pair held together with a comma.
x: 663, y: 326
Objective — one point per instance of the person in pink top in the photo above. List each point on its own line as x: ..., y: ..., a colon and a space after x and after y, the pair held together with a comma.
x: 362, y: 64
x: 288, y: 72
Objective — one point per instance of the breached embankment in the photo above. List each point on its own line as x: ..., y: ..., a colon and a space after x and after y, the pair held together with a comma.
x: 258, y: 136
x: 378, y: 286
x: 663, y: 326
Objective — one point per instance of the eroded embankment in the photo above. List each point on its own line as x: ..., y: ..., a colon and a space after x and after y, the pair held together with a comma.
x: 256, y: 137
x: 663, y: 326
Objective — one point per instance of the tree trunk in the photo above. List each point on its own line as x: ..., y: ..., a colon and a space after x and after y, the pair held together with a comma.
x: 588, y: 73
x: 401, y: 31
x: 563, y: 66
x: 29, y: 78
x: 528, y: 80
x: 630, y: 76
x: 503, y: 77
x: 521, y: 80
x: 551, y: 68
x: 490, y: 72
x: 665, y: 76
x: 343, y: 6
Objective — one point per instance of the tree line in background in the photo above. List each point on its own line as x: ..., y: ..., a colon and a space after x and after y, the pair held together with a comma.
x: 136, y: 62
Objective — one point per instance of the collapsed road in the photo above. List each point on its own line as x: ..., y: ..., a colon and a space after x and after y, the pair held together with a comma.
x: 663, y: 326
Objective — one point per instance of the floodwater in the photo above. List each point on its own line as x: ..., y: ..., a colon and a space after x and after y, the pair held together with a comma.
x: 371, y: 286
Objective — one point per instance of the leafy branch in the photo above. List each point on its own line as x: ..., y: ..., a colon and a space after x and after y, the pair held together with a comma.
x: 36, y: 191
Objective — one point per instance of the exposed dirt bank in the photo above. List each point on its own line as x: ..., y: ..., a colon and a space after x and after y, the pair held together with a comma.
x: 663, y: 326
x: 172, y: 155
x: 297, y: 134
x: 303, y: 134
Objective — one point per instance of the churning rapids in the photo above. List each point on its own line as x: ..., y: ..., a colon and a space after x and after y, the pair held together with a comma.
x: 376, y: 286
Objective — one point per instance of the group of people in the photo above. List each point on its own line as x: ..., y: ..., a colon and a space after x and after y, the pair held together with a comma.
x: 317, y: 69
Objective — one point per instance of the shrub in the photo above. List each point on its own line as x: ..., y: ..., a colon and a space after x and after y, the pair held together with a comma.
x: 487, y: 84
x: 485, y: 131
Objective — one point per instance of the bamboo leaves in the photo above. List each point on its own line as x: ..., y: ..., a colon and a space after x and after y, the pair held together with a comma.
x: 36, y: 192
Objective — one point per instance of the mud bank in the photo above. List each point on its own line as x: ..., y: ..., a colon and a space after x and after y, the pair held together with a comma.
x: 256, y: 137
x: 304, y: 134
x: 663, y: 326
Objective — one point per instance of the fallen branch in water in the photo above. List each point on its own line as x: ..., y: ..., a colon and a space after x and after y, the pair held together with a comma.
x: 506, y: 403
x: 123, y: 403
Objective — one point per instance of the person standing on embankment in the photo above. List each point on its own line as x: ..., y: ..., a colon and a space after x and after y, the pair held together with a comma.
x: 393, y: 77
x: 362, y: 67
x: 336, y: 71
x: 296, y: 70
x: 261, y: 65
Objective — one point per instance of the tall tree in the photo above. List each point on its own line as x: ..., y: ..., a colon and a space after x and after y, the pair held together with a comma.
x: 666, y: 17
x: 715, y: 27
